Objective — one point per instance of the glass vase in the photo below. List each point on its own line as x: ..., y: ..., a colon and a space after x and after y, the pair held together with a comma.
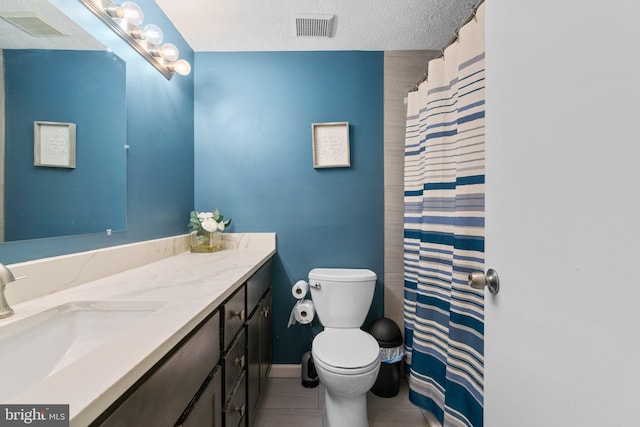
x: 206, y: 241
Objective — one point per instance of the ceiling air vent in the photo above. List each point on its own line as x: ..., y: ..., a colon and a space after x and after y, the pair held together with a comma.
x: 31, y: 24
x: 308, y: 25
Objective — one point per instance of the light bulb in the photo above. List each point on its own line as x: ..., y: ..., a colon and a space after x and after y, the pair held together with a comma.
x: 112, y: 10
x: 181, y: 67
x: 169, y: 52
x: 131, y: 12
x: 153, y: 34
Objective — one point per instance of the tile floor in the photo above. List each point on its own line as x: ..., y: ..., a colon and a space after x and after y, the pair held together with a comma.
x: 287, y: 404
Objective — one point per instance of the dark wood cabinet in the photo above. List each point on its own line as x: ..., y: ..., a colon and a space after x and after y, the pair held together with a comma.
x: 254, y: 361
x: 234, y: 358
x: 206, y: 408
x: 266, y: 340
x: 215, y: 376
x: 162, y: 395
x: 259, y: 326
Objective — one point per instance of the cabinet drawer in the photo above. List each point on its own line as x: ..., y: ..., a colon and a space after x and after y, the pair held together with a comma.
x: 234, y: 315
x: 234, y: 362
x: 236, y: 406
x: 171, y: 385
x: 257, y: 285
x: 206, y: 410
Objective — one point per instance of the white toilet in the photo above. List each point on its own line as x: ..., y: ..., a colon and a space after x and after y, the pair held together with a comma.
x: 346, y: 358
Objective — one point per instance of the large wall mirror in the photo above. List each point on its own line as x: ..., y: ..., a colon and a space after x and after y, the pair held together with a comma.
x: 54, y: 72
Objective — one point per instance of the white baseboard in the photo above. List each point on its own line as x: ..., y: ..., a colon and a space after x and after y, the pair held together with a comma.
x: 285, y: 371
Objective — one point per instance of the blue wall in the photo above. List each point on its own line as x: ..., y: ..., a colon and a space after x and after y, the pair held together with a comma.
x: 57, y: 86
x: 253, y: 161
x: 160, y: 134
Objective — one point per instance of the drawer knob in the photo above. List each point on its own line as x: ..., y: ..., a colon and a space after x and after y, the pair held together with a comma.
x: 239, y: 361
x: 239, y: 315
x: 239, y: 409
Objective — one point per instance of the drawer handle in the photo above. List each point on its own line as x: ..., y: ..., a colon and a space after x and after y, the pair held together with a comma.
x: 239, y: 361
x: 239, y: 314
x: 239, y: 409
x: 265, y: 312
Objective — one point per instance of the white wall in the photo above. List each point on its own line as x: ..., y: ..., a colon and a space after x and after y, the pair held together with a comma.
x: 563, y: 213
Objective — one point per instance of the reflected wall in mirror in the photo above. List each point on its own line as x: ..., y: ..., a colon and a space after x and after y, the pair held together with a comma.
x: 67, y: 83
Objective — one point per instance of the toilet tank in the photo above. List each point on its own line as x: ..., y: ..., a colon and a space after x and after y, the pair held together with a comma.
x: 342, y: 296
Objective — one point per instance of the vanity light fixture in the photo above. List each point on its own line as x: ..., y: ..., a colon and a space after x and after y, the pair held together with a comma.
x: 129, y: 12
x: 181, y: 67
x: 126, y: 20
x: 168, y: 52
x: 132, y: 13
x: 152, y: 33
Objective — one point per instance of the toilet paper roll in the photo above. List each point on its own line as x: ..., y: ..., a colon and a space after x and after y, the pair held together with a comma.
x: 300, y: 289
x: 292, y: 316
x: 304, y: 311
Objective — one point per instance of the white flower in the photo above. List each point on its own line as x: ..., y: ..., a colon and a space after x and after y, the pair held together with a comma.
x: 209, y: 224
x: 207, y: 221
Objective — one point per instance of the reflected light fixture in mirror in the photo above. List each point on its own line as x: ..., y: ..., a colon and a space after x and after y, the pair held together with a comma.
x: 126, y: 20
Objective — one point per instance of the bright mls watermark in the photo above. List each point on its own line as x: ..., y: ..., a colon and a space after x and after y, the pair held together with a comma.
x: 34, y: 415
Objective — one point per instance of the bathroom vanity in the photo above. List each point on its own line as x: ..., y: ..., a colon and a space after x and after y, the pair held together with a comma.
x: 203, y: 381
x: 198, y: 354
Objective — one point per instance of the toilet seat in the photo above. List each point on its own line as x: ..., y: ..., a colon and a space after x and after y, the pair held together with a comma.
x: 346, y: 351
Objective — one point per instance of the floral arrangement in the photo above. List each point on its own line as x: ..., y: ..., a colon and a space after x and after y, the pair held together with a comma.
x: 207, y: 221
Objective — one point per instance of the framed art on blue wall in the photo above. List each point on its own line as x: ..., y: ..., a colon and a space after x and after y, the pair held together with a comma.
x: 54, y: 144
x: 330, y: 145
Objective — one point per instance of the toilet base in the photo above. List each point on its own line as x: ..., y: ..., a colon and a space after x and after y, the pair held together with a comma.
x: 342, y: 411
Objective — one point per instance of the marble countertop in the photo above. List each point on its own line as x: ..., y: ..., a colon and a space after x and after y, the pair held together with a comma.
x: 189, y: 287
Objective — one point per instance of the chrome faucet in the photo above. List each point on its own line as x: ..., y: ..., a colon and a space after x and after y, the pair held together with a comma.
x: 6, y: 276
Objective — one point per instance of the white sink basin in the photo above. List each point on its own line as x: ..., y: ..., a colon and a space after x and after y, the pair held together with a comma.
x: 38, y: 346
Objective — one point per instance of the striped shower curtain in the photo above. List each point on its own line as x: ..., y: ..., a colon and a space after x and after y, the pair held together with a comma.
x: 444, y: 233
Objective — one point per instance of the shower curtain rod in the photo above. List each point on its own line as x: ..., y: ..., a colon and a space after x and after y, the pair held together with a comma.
x: 454, y: 39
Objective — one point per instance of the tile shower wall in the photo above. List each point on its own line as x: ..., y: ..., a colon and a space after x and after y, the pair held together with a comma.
x: 402, y: 70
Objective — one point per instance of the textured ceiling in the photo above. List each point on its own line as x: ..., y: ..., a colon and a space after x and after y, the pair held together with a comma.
x: 261, y: 25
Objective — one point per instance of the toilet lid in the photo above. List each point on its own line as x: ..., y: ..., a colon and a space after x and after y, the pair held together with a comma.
x: 346, y: 348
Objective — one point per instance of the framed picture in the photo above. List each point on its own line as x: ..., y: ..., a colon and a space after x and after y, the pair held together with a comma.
x: 330, y: 145
x: 54, y: 144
